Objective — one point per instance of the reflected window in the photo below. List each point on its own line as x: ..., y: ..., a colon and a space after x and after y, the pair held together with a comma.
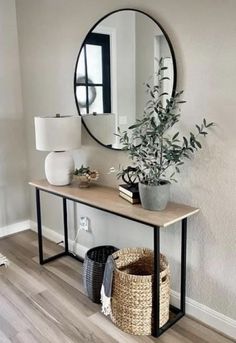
x: 93, y: 80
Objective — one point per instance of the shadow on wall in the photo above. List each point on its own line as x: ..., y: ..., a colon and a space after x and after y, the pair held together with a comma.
x: 13, y: 172
x: 204, y: 282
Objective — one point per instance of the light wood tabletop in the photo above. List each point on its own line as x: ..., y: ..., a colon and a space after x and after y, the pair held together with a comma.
x: 108, y: 199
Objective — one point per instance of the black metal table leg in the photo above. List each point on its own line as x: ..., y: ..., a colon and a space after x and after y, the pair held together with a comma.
x: 65, y: 226
x: 178, y: 313
x: 156, y: 282
x: 40, y: 235
x: 183, y: 265
x: 40, y: 238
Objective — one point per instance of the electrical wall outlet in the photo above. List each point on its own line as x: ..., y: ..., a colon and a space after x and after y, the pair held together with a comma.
x: 84, y: 223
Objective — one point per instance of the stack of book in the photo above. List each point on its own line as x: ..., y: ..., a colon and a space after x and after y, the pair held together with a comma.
x: 129, y: 193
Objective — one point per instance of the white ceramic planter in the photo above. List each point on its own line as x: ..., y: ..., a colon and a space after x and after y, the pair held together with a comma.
x: 154, y: 198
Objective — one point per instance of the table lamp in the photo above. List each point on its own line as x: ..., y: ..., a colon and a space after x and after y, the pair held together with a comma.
x: 58, y: 134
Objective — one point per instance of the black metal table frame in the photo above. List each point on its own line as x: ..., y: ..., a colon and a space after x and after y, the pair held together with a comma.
x: 179, y: 313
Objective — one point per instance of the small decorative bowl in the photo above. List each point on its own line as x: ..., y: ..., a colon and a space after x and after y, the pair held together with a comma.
x: 82, y: 180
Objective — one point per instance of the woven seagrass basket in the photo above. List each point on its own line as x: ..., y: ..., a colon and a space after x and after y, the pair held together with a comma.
x: 132, y: 290
x: 93, y: 270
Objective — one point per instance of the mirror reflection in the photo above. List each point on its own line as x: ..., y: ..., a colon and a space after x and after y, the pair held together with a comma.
x: 117, y: 57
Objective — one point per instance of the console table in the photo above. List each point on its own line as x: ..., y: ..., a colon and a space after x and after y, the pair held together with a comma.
x: 108, y: 200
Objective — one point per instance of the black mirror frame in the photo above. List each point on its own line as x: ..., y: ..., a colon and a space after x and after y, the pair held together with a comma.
x: 77, y: 60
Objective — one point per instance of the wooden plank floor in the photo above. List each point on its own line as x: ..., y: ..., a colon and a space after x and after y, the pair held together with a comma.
x: 47, y: 304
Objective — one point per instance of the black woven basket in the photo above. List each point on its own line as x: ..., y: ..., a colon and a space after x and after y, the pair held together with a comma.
x: 93, y: 270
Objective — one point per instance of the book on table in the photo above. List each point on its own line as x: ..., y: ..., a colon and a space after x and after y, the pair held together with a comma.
x: 132, y: 200
x: 130, y: 190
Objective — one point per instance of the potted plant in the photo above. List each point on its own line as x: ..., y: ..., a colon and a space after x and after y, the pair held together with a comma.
x: 84, y: 176
x: 156, y: 150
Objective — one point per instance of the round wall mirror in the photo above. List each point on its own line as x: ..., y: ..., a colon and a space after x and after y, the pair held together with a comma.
x: 119, y: 54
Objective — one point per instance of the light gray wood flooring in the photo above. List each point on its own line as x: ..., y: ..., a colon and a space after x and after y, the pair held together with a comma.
x: 47, y: 304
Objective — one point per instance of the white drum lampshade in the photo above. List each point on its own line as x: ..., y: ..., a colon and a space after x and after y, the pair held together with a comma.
x: 58, y: 134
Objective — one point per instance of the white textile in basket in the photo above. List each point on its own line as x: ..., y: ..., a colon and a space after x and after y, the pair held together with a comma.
x: 3, y: 261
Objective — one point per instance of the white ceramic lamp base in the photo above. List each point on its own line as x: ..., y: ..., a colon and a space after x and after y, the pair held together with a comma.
x: 59, y: 167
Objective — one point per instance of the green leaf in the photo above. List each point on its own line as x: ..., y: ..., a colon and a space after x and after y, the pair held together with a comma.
x: 210, y: 124
x: 185, y: 141
x: 176, y: 146
x: 177, y: 94
x: 187, y: 156
x: 134, y: 126
x: 175, y: 136
x: 198, y: 144
x: 198, y: 127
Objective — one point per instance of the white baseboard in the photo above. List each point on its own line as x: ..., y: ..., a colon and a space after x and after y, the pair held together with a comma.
x: 204, y: 314
x: 14, y: 228
x: 56, y: 237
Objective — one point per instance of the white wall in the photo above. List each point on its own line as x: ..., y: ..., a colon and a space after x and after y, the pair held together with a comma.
x: 123, y: 27
x: 203, y: 36
x: 13, y: 199
x: 146, y: 31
